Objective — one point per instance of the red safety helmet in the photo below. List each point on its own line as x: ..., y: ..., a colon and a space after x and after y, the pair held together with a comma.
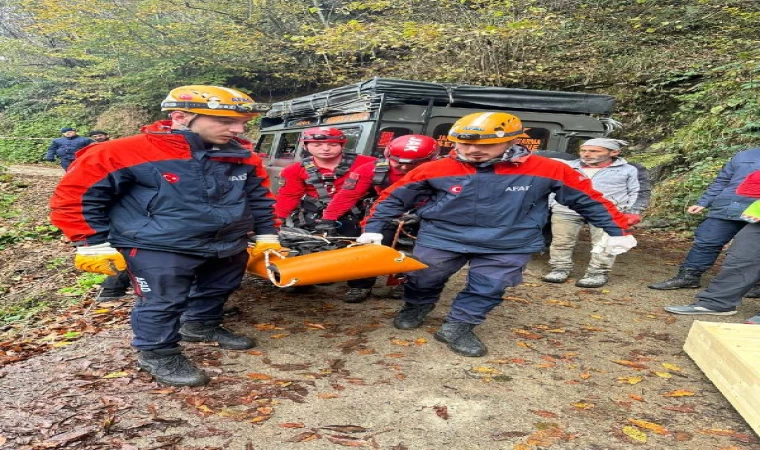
x: 323, y: 134
x: 412, y: 149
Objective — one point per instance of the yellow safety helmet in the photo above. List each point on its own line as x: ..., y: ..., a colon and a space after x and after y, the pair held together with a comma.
x: 212, y: 101
x: 486, y: 128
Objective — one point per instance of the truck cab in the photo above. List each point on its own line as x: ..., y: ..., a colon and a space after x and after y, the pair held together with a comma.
x: 374, y: 112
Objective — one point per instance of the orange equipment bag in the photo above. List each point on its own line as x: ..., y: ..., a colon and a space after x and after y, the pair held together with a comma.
x: 350, y: 263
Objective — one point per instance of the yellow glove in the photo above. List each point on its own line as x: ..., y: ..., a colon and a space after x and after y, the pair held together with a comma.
x: 264, y: 242
x: 101, y: 258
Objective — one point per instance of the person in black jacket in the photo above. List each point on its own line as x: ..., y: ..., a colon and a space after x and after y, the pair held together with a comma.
x: 65, y: 147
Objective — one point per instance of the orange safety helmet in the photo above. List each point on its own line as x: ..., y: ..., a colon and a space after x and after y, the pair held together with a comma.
x: 212, y: 101
x: 412, y: 149
x: 323, y: 134
x: 486, y: 128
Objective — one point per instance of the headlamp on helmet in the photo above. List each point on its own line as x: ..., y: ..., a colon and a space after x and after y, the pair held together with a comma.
x: 323, y: 134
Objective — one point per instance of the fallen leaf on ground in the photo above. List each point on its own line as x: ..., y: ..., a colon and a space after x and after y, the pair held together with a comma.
x: 395, y: 355
x: 631, y: 364
x: 746, y: 438
x: 659, y: 429
x: 291, y: 425
x: 306, y: 436
x: 585, y: 375
x: 279, y: 336
x: 672, y: 367
x: 679, y: 393
x: 401, y: 342
x: 442, y: 411
x: 638, y: 398
x: 634, y: 433
x: 348, y: 441
x: 116, y: 375
x: 527, y: 334
x: 258, y: 376
x: 327, y: 396
x: 420, y: 341
x: 630, y: 380
x: 582, y: 405
x: 504, y: 435
x: 345, y: 428
x: 318, y: 326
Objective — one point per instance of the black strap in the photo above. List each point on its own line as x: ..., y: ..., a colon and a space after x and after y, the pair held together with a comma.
x: 322, y: 182
x: 380, y: 177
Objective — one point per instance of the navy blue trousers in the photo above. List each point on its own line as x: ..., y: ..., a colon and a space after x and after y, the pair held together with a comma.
x: 488, y: 277
x: 709, y: 238
x: 176, y: 287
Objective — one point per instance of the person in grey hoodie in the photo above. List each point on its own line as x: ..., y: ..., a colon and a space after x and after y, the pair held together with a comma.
x: 618, y: 182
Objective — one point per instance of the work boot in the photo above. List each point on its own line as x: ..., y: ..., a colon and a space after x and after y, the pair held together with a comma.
x: 213, y: 332
x: 693, y: 309
x: 170, y: 366
x: 592, y: 280
x: 754, y: 293
x: 556, y: 276
x: 686, y: 278
x: 461, y: 339
x: 356, y: 295
x: 411, y: 316
x: 106, y: 295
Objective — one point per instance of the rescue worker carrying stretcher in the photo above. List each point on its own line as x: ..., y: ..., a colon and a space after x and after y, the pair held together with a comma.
x: 175, y: 206
x: 308, y: 186
x: 487, y: 204
x: 365, y: 184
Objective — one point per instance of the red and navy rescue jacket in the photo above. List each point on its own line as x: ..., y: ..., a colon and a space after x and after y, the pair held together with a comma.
x: 491, y: 208
x: 296, y: 182
x: 165, y: 190
x: 368, y: 180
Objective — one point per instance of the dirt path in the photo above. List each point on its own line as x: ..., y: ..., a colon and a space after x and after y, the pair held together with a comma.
x: 568, y: 368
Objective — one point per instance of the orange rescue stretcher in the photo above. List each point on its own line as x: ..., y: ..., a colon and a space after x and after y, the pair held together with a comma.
x: 343, y: 264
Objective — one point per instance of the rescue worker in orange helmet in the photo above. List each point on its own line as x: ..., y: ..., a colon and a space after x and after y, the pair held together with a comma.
x: 175, y: 206
x: 365, y: 183
x: 486, y: 205
x: 307, y: 187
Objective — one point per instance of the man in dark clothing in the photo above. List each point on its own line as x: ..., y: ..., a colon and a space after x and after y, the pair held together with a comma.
x: 65, y: 147
x: 485, y: 206
x: 722, y: 222
x: 178, y: 203
x: 740, y: 270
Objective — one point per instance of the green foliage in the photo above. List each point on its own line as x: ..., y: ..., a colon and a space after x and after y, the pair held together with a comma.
x: 684, y: 72
x: 705, y: 142
x: 19, y: 232
x: 22, y: 311
x: 84, y: 284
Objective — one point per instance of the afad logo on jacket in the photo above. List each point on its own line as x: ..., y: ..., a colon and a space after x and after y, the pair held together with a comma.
x: 456, y: 189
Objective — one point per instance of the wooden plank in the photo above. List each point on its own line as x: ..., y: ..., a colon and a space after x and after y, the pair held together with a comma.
x: 729, y: 354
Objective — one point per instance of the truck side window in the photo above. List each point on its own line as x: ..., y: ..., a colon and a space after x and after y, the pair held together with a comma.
x: 288, y: 146
x: 264, y: 146
x: 352, y: 135
x: 574, y: 144
x: 385, y: 136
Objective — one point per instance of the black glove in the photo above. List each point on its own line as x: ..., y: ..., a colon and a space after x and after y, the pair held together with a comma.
x: 326, y: 226
x: 408, y: 219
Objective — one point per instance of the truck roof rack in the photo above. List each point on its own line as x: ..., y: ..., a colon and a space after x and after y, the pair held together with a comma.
x: 369, y: 95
